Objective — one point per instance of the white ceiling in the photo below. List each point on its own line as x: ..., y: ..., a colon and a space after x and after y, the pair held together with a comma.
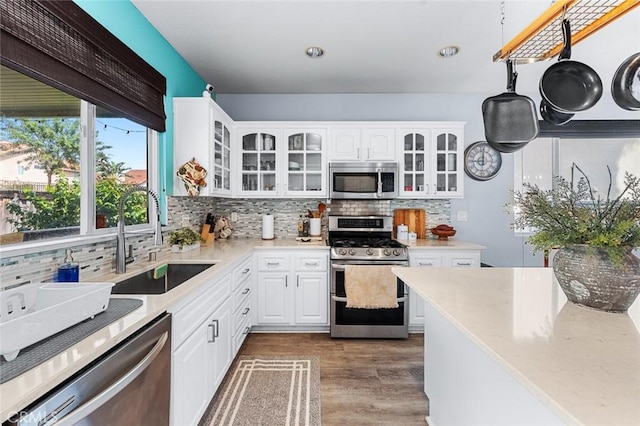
x: 371, y: 46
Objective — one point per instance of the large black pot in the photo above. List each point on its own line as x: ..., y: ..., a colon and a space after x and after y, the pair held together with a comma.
x: 509, y: 117
x: 625, y: 86
x: 570, y: 86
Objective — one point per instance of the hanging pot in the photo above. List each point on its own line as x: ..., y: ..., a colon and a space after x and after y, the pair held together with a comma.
x: 509, y: 117
x: 507, y: 148
x: 552, y: 116
x: 625, y: 86
x: 570, y: 86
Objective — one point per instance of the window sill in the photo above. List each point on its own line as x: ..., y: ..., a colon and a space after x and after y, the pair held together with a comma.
x: 35, y: 247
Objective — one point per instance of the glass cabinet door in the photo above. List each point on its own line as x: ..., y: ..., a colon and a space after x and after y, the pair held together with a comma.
x: 305, y: 162
x: 259, y: 162
x: 414, y: 173
x: 446, y: 165
x: 221, y: 156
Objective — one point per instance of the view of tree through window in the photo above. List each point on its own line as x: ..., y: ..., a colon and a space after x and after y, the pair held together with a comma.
x: 41, y: 176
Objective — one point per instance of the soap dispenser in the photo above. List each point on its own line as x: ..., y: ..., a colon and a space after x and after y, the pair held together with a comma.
x: 68, y: 270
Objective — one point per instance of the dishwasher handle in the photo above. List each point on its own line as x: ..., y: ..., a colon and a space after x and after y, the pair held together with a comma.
x: 103, y: 397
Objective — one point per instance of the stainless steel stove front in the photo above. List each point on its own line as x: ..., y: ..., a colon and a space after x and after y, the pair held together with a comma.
x: 366, y: 323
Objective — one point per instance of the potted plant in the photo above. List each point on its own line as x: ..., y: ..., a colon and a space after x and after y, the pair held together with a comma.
x: 595, y: 265
x: 184, y: 239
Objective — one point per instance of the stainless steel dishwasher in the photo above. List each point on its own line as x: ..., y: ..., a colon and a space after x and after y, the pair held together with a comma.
x: 130, y: 385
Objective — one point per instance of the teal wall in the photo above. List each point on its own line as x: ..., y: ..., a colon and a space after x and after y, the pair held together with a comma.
x: 124, y: 20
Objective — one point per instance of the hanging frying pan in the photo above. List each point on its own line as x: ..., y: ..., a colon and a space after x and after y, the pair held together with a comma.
x: 552, y: 116
x: 509, y: 117
x: 625, y: 86
x: 570, y: 86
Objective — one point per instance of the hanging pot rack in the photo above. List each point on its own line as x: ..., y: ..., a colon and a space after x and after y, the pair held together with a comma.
x: 542, y: 39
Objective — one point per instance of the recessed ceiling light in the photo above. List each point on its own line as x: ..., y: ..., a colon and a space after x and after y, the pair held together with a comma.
x: 314, y: 52
x: 447, y: 52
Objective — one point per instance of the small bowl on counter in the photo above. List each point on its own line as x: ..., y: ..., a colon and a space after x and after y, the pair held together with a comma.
x: 443, y: 232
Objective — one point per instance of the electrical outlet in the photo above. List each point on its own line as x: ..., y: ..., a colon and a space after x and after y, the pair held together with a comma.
x: 463, y: 216
x: 234, y: 216
x: 186, y: 219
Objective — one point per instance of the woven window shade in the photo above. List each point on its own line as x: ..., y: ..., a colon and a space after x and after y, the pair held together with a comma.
x: 59, y: 44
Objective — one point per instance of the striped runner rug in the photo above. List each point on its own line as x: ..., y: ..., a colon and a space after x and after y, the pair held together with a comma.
x: 268, y: 391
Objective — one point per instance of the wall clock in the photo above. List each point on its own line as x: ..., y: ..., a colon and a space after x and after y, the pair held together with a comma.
x: 481, y: 161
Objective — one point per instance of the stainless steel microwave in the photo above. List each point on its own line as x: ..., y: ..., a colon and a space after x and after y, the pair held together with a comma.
x: 363, y: 180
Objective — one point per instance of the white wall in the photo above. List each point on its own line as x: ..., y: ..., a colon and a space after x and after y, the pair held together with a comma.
x: 488, y: 223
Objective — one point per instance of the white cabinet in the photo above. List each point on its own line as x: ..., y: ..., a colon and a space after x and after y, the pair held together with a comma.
x: 292, y: 288
x: 362, y: 143
x: 259, y: 161
x: 431, y: 161
x: 276, y: 160
x: 305, y: 161
x: 431, y: 259
x: 241, y: 296
x: 201, y: 350
x: 202, y: 132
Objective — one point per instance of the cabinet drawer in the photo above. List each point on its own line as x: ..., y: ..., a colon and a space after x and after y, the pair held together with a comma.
x: 187, y: 319
x: 311, y: 261
x: 240, y: 316
x: 240, y: 295
x: 273, y: 262
x: 241, y: 334
x: 242, y: 273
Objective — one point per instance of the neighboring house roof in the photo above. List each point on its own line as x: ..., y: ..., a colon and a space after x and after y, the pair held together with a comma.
x: 135, y: 177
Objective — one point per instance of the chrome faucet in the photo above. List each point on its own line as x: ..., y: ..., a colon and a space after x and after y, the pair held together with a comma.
x: 121, y: 258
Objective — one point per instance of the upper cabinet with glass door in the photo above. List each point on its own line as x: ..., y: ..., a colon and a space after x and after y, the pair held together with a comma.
x: 259, y: 162
x: 431, y: 159
x: 305, y: 162
x: 202, y: 132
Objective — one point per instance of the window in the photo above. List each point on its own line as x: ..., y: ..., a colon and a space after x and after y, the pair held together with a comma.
x: 57, y: 192
x: 544, y: 158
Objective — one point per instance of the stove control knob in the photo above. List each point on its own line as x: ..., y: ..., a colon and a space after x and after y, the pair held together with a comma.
x: 369, y: 252
x: 342, y: 252
x: 396, y: 252
x: 352, y: 252
x: 387, y: 252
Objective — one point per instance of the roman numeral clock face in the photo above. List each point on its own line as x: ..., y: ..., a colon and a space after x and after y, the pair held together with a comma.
x: 481, y: 162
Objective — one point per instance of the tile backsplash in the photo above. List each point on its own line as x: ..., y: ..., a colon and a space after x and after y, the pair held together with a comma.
x: 99, y: 258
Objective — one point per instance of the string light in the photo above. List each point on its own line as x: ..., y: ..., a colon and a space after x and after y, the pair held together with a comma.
x: 127, y: 131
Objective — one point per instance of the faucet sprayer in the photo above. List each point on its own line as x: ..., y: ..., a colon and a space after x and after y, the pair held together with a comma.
x: 121, y: 259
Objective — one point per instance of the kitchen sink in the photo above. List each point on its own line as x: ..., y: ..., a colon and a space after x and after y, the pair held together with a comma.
x: 144, y: 283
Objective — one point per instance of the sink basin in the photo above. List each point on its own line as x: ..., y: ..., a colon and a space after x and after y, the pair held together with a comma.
x: 32, y: 312
x: 144, y: 283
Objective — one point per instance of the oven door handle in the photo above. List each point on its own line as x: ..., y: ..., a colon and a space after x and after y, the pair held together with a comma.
x: 344, y: 299
x: 337, y: 267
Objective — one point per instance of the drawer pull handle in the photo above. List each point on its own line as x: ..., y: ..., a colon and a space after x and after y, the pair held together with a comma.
x: 246, y: 330
x: 246, y: 311
x: 246, y: 290
x: 463, y: 263
x: 425, y: 264
x: 273, y: 263
x: 246, y: 271
x: 310, y: 263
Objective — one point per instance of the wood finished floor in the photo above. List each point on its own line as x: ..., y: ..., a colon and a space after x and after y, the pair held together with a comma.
x: 362, y: 381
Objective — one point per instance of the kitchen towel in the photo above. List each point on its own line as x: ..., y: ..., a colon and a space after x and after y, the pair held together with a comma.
x: 370, y: 287
x: 267, y: 227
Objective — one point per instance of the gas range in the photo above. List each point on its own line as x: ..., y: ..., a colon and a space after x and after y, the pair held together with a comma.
x: 364, y: 238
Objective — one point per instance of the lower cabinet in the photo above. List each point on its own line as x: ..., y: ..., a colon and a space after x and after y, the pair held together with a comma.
x: 292, y: 288
x: 241, y: 295
x: 200, y: 360
x: 435, y: 258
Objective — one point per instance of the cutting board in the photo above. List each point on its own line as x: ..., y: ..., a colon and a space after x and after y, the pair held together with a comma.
x: 415, y: 219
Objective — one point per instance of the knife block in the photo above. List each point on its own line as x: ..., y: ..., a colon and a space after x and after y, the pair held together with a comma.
x: 207, y: 236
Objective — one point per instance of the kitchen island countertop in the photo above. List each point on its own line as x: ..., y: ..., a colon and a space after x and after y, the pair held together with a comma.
x: 581, y: 364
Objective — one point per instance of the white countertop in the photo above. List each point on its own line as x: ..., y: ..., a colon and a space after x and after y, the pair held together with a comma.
x: 449, y: 244
x: 582, y: 363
